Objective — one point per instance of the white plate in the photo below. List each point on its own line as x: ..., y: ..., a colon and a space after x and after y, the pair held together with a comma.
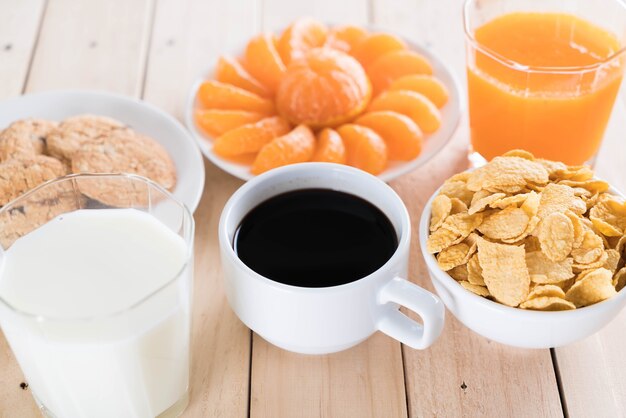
x: 139, y: 115
x: 433, y: 143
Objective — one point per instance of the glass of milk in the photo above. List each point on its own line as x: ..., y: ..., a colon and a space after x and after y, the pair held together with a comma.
x: 95, y: 296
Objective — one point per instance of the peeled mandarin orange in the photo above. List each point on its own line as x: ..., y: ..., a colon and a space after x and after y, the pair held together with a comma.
x: 296, y: 146
x: 345, y: 38
x: 365, y: 149
x: 263, y: 61
x: 329, y: 147
x: 414, y: 105
x: 396, y: 64
x: 325, y: 88
x: 251, y: 137
x: 215, y: 95
x: 302, y: 35
x: 401, y: 135
x: 427, y: 85
x: 243, y: 159
x: 229, y: 70
x: 376, y: 45
x: 215, y: 122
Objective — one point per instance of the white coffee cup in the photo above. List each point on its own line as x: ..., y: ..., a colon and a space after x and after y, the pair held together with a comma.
x: 329, y: 319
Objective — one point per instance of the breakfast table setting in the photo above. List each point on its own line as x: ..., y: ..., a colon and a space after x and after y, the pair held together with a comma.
x: 210, y: 126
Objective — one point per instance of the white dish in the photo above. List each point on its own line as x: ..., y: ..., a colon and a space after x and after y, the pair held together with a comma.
x: 514, y: 326
x: 433, y: 143
x: 139, y: 115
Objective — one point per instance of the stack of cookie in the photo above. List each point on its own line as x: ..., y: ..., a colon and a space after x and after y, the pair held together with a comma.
x: 33, y: 151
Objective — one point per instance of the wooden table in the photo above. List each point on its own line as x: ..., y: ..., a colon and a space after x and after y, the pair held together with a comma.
x: 153, y: 49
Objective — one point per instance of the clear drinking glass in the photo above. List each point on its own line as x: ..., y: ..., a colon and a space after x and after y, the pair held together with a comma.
x: 553, y: 110
x: 132, y: 362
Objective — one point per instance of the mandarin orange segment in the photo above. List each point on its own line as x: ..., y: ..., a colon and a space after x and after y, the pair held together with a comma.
x: 216, y: 95
x: 414, y: 105
x: 229, y: 70
x: 376, y: 45
x: 345, y: 38
x: 325, y: 88
x: 427, y: 85
x: 250, y: 138
x: 215, y: 122
x: 302, y: 35
x: 263, y: 61
x: 294, y: 147
x: 401, y: 135
x: 396, y: 64
x: 329, y: 147
x: 365, y: 149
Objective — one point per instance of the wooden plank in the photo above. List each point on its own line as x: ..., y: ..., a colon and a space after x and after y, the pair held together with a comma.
x: 19, y: 27
x: 464, y: 373
x: 593, y: 371
x: 64, y: 58
x: 92, y: 45
x: 365, y: 381
x: 436, y: 25
x: 187, y: 38
x: 279, y: 13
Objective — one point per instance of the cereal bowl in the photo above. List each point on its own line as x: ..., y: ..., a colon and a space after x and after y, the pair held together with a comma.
x: 515, y: 326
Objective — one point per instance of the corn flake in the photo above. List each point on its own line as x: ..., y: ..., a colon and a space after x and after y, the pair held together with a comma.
x: 507, y: 174
x: 594, y: 287
x: 474, y: 271
x: 556, y: 236
x: 619, y: 279
x: 548, y: 303
x: 457, y: 189
x: 559, y: 198
x: 480, y: 203
x: 531, y: 233
x: 476, y: 289
x: 440, y: 209
x: 453, y: 256
x: 546, y: 290
x: 546, y: 271
x: 609, y: 217
x: 504, y: 224
x: 453, y: 230
x: 458, y: 206
x: 504, y: 271
x: 459, y: 273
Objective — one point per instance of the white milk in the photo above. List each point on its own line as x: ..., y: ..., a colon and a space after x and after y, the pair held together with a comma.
x: 97, y: 264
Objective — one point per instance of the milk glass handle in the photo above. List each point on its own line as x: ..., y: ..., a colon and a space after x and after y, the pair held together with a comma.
x: 399, y: 326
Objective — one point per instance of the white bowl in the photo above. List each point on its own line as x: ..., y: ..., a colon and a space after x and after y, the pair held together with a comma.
x: 514, y: 326
x: 139, y: 115
x: 433, y: 143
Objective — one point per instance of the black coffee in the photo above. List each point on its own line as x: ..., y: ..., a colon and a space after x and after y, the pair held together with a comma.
x: 315, y: 238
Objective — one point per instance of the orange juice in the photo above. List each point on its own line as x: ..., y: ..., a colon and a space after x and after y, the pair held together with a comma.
x: 542, y: 82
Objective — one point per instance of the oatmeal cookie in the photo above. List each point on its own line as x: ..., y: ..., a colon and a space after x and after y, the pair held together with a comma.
x: 35, y: 211
x: 73, y: 132
x: 124, y: 152
x: 25, y: 138
x: 20, y: 175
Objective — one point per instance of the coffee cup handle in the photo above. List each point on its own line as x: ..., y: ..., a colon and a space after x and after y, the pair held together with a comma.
x: 399, y: 326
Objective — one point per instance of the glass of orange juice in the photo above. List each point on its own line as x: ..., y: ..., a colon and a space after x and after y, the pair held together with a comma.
x: 542, y: 75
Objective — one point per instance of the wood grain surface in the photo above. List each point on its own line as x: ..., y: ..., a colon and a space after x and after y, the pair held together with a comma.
x: 155, y: 49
